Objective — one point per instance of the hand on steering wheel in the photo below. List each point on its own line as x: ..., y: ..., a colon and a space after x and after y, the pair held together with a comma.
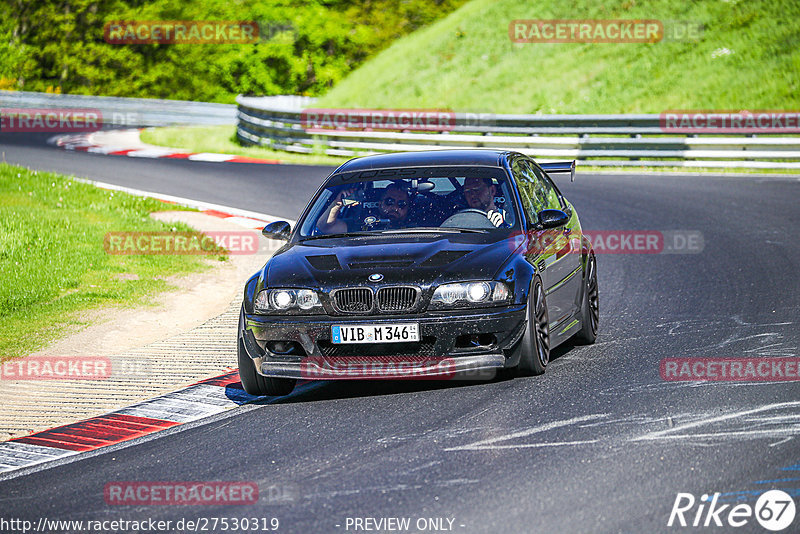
x: 495, y: 217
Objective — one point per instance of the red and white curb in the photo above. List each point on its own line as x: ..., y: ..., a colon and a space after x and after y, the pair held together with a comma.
x: 86, y: 142
x: 248, y: 219
x: 204, y: 399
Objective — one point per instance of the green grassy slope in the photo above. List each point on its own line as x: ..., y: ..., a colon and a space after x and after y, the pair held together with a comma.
x: 467, y: 62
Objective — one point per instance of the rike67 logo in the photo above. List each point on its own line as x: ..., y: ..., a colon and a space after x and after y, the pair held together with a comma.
x: 774, y: 510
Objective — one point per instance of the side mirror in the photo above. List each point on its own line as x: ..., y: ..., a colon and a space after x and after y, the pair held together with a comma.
x: 279, y: 230
x: 552, y: 219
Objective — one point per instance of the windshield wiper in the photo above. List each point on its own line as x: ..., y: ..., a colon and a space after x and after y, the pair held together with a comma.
x: 434, y: 229
x: 345, y: 234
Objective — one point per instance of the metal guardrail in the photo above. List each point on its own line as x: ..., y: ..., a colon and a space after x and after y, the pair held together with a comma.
x: 276, y: 122
x: 132, y: 112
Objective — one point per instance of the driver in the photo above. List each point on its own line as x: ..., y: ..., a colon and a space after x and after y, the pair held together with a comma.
x: 479, y: 194
x: 394, y: 205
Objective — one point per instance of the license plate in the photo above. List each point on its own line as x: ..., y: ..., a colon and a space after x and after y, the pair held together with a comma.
x: 375, y: 333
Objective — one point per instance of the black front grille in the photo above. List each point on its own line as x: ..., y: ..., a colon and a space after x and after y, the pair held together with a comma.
x: 356, y: 300
x: 399, y: 298
x: 424, y: 347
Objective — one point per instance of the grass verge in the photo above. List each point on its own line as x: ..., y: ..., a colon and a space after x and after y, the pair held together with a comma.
x: 52, y: 261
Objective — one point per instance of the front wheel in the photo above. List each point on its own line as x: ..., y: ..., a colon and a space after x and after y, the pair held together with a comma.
x: 535, y: 344
x: 252, y: 382
x: 590, y: 309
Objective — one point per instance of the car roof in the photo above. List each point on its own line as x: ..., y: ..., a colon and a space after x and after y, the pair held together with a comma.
x: 427, y: 158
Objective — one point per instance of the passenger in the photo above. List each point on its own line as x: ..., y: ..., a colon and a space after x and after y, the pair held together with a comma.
x: 479, y: 194
x: 394, y: 205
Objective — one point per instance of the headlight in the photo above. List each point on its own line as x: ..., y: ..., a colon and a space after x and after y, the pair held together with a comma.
x: 287, y: 301
x: 465, y: 294
x: 307, y: 299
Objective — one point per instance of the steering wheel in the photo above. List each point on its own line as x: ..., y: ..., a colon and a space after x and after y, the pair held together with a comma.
x: 468, y: 218
x: 471, y: 210
x: 374, y: 223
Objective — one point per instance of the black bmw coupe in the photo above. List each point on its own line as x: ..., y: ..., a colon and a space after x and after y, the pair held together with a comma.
x: 421, y: 265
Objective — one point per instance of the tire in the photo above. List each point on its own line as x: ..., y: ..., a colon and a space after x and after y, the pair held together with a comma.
x: 590, y: 309
x: 252, y: 382
x: 535, y: 344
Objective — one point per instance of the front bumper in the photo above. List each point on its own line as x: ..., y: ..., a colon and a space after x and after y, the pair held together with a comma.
x: 441, y: 352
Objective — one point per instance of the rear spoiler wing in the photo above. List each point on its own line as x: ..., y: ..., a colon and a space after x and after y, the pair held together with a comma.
x: 561, y: 166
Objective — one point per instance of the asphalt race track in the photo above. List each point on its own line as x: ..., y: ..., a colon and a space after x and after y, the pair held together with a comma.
x: 239, y: 185
x: 600, y: 443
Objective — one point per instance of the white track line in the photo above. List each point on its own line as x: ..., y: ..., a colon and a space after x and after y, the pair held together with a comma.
x: 197, y: 204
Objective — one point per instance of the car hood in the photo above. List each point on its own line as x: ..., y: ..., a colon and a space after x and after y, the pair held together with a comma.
x: 420, y: 259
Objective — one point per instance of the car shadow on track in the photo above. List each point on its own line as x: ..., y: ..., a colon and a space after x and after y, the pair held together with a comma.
x: 348, y: 389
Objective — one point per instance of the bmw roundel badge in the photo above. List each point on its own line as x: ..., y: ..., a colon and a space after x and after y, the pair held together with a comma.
x: 375, y: 277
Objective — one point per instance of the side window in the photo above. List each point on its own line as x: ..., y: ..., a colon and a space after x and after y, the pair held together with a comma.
x: 545, y: 189
x: 526, y: 189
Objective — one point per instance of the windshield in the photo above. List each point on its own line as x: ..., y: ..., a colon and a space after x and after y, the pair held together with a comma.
x: 435, y: 198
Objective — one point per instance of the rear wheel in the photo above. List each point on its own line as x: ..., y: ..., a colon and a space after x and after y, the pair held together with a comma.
x: 252, y: 382
x: 590, y: 309
x: 535, y: 344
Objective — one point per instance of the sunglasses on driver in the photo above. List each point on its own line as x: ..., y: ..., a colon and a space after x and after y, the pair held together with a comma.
x: 390, y: 202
